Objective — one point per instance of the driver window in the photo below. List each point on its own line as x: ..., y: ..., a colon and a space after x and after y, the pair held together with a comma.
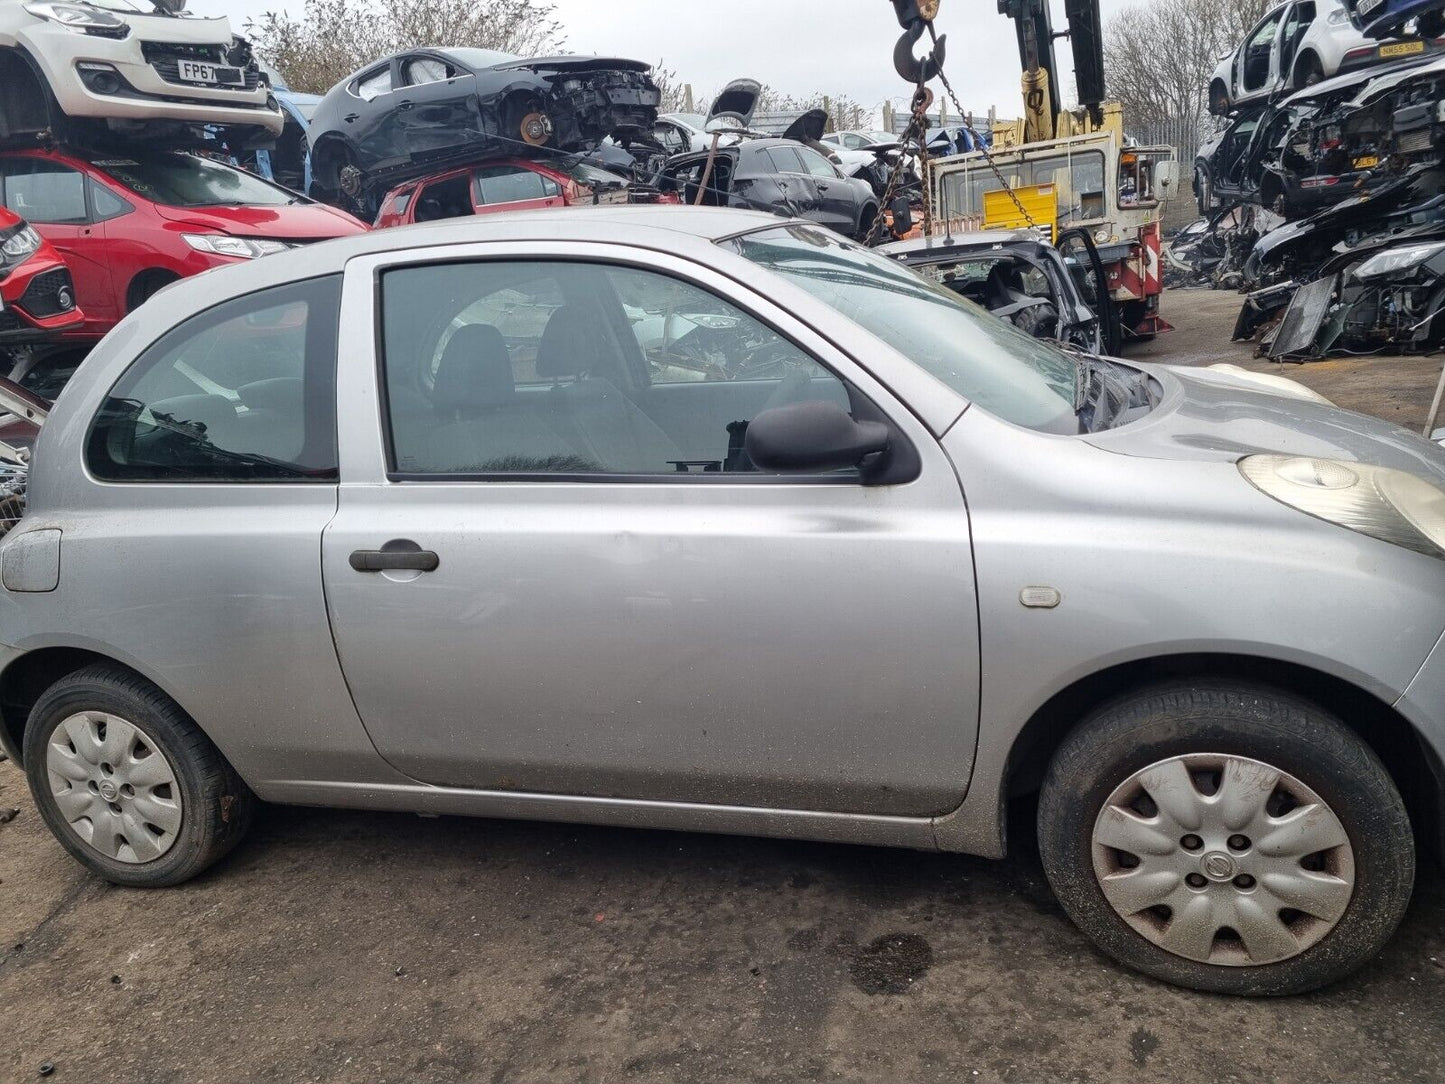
x: 816, y: 164
x: 571, y: 369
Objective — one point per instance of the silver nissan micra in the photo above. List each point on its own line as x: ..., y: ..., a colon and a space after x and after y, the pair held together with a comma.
x: 709, y: 520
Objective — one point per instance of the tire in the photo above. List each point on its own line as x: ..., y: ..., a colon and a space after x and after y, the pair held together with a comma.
x: 1308, y: 72
x: 192, y: 820
x: 146, y: 285
x: 1218, y: 99
x: 1202, y: 195
x: 1250, y: 732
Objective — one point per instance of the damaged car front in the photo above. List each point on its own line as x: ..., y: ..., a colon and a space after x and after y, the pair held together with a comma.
x: 408, y: 115
x: 129, y: 68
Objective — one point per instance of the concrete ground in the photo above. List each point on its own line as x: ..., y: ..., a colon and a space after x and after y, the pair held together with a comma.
x: 357, y: 947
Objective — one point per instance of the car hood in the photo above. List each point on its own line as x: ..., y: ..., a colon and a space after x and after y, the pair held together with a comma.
x: 191, y: 30
x: 1211, y: 414
x: 304, y: 221
x: 574, y: 64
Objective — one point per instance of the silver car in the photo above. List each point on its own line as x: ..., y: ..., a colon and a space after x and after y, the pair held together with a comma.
x: 421, y: 521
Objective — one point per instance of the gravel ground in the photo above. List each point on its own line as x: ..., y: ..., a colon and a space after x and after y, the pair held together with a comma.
x: 358, y: 947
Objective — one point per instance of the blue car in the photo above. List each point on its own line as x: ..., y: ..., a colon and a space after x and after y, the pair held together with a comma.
x: 1386, y: 18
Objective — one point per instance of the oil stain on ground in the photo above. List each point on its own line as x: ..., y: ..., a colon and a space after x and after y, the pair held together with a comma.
x: 891, y: 964
x: 1141, y: 1044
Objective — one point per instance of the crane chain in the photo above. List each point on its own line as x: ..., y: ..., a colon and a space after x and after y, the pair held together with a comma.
x: 987, y: 157
x: 916, y: 130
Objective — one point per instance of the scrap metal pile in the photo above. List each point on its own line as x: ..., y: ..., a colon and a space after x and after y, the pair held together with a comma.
x: 1327, y: 209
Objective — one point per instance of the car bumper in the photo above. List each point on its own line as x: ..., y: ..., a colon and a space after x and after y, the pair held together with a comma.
x: 37, y: 301
x: 1424, y: 706
x: 144, y: 94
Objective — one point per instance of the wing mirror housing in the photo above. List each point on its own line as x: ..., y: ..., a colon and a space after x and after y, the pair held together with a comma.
x: 816, y: 437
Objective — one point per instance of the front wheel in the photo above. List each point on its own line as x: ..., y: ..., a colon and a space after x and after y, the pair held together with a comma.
x: 127, y: 783
x: 1226, y: 838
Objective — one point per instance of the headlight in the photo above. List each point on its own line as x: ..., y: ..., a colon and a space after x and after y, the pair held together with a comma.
x: 82, y: 19
x: 20, y: 244
x: 1398, y: 260
x: 243, y: 248
x: 1391, y: 505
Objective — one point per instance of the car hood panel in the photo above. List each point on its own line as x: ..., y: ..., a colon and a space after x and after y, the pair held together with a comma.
x: 303, y: 222
x: 1212, y: 415
x: 574, y: 64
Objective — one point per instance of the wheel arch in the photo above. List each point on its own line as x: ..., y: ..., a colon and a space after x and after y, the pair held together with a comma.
x: 16, y: 64
x: 1413, y: 764
x: 25, y: 680
x: 1297, y: 71
x: 135, y: 294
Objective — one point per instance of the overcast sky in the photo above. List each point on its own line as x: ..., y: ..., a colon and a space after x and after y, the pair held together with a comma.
x: 798, y: 46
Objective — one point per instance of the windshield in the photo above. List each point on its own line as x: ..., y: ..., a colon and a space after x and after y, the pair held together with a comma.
x: 986, y: 360
x: 480, y: 59
x: 183, y: 180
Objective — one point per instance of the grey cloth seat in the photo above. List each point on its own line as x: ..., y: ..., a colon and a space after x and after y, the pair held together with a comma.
x: 486, y: 426
x: 588, y: 409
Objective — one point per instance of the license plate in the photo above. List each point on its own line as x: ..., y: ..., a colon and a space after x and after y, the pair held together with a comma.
x: 1404, y: 48
x: 192, y: 71
x: 1368, y: 162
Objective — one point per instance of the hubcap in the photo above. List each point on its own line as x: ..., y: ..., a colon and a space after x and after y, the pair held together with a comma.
x: 114, y: 787
x: 1223, y: 860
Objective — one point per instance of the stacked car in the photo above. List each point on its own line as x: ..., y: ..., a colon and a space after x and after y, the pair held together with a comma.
x: 117, y: 124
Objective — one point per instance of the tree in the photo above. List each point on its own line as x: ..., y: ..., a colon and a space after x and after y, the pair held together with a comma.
x: 333, y: 38
x: 1159, y: 55
x: 843, y: 111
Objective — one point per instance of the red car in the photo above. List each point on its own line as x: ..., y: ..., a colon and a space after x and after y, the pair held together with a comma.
x: 129, y: 226
x: 506, y: 184
x: 37, y: 296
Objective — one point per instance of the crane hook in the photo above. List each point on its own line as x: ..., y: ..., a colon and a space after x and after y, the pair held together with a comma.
x: 913, y: 69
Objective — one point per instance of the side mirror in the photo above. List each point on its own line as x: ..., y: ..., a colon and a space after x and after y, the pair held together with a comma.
x: 1166, y: 180
x: 812, y: 437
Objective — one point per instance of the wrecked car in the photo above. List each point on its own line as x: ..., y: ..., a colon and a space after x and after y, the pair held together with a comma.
x: 506, y: 567
x: 130, y: 225
x: 1388, y: 296
x: 510, y: 184
x: 1023, y: 280
x: 778, y: 175
x: 37, y: 294
x: 127, y: 70
x: 413, y: 113
x: 1297, y: 44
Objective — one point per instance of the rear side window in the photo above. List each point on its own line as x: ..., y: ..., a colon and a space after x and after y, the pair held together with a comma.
x: 44, y: 192
x: 245, y: 392
x: 508, y: 184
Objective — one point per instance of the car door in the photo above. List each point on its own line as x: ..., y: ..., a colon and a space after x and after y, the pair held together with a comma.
x: 436, y: 105
x: 56, y: 199
x: 837, y: 198
x: 536, y: 587
x: 372, y: 124
x: 798, y: 192
x: 1257, y: 56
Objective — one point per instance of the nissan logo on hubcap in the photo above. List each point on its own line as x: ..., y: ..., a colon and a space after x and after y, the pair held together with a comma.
x: 108, y: 791
x: 1217, y: 866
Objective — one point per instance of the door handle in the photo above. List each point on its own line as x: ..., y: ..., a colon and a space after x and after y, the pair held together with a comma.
x: 399, y: 561
x: 406, y: 105
x: 351, y: 118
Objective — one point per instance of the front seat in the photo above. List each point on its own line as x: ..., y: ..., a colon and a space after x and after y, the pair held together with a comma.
x: 485, y: 425
x: 589, y: 410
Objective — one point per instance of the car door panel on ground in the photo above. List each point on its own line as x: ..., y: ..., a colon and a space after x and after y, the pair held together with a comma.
x: 579, y: 470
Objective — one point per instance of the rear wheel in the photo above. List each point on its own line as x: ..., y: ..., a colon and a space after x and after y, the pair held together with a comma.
x: 127, y: 783
x: 1227, y: 838
x: 1308, y: 71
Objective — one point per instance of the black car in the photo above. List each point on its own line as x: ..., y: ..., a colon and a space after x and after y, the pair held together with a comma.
x: 1049, y: 292
x: 405, y: 116
x: 778, y: 175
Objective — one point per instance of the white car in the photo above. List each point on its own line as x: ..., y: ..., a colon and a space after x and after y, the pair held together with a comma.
x: 1298, y: 44
x: 682, y: 133
x: 133, y: 67
x: 859, y: 140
